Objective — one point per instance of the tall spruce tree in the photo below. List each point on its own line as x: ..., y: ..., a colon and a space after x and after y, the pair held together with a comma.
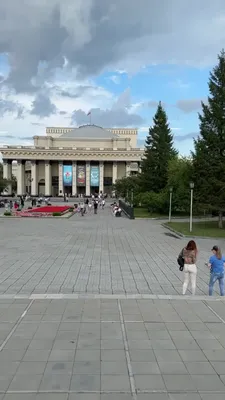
x: 209, y: 154
x: 159, y: 151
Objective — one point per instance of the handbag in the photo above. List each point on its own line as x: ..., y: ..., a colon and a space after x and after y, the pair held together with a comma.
x: 180, y: 262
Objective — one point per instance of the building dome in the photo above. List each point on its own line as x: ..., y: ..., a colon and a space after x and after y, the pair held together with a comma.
x: 89, y: 132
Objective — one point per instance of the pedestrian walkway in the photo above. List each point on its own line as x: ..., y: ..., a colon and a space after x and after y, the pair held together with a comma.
x: 94, y: 254
x: 90, y: 310
x: 108, y: 349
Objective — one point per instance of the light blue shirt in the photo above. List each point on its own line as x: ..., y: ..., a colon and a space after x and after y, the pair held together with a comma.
x: 217, y: 266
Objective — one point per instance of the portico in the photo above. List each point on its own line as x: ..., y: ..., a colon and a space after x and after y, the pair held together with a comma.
x: 82, y: 161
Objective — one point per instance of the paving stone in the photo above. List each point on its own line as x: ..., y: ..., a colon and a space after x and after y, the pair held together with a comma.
x: 115, y: 396
x: 154, y: 396
x: 208, y: 383
x: 200, y: 368
x: 114, y: 368
x: 19, y: 396
x: 84, y: 396
x: 179, y: 383
x: 142, y: 368
x: 149, y: 382
x: 51, y: 396
x: 110, y: 382
x: 25, y: 383
x: 55, y: 382
x: 85, y: 382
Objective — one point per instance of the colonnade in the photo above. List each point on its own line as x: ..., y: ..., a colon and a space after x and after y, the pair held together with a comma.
x: 80, y: 174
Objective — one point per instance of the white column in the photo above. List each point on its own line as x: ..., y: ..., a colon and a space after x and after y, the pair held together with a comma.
x: 48, y: 178
x: 7, y: 174
x: 88, y: 171
x: 114, y: 172
x: 20, y: 178
x: 60, y: 179
x: 74, y: 170
x: 101, y: 176
x: 34, y: 181
x: 127, y: 169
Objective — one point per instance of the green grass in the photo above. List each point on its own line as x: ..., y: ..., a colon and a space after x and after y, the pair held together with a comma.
x: 205, y: 228
x: 141, y: 212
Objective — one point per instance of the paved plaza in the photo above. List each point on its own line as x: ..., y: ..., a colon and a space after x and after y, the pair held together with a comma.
x: 90, y: 309
x: 92, y: 349
x: 94, y: 254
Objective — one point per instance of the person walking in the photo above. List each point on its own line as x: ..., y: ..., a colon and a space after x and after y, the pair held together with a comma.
x: 216, y: 264
x: 189, y: 254
x: 95, y: 206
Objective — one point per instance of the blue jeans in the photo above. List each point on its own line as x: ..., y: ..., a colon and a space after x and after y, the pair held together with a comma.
x: 216, y: 277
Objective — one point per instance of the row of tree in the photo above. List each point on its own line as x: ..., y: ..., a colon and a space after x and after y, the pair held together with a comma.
x: 4, y: 182
x: 162, y: 168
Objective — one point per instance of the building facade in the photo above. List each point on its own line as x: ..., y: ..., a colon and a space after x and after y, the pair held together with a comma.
x: 74, y: 161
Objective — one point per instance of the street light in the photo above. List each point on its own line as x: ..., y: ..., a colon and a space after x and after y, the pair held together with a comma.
x: 132, y: 197
x: 170, y: 209
x: 191, y: 205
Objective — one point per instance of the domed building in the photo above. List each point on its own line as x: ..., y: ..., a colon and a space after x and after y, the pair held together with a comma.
x: 75, y: 161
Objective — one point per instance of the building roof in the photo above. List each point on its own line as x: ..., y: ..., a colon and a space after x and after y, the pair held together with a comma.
x: 89, y: 132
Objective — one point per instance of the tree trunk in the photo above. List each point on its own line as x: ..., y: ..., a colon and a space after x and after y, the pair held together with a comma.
x: 220, y: 222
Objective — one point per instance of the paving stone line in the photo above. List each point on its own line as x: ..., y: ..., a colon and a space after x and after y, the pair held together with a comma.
x: 15, y: 326
x: 214, y: 312
x: 128, y: 359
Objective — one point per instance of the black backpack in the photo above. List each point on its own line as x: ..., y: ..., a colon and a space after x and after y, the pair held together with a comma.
x: 180, y: 261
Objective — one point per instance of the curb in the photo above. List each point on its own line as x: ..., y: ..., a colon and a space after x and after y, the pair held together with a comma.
x: 181, y: 235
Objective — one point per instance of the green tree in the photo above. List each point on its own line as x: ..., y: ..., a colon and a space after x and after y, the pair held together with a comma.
x: 209, y: 154
x: 159, y: 151
x: 180, y: 174
x: 127, y: 187
x: 3, y: 181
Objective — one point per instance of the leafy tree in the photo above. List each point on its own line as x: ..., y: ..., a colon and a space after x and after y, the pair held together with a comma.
x: 14, y: 184
x: 127, y: 187
x: 159, y: 151
x: 3, y: 181
x: 155, y: 202
x: 209, y: 154
x: 180, y: 172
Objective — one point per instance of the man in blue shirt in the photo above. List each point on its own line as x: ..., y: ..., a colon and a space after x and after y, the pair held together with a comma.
x: 216, y: 265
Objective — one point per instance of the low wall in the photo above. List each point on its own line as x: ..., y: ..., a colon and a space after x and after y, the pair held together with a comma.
x: 127, y: 209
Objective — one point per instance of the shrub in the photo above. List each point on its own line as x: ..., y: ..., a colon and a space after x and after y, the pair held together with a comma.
x: 56, y: 214
x: 7, y: 213
x: 154, y: 202
x: 71, y: 209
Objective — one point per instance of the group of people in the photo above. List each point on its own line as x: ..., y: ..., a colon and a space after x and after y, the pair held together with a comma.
x: 89, y: 204
x: 116, y: 210
x: 187, y: 261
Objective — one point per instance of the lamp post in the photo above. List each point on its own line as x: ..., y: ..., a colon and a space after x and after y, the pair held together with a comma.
x: 170, y: 209
x: 132, y: 197
x: 191, y: 205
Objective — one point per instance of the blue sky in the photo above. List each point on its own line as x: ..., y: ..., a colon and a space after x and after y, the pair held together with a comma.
x: 170, y: 84
x: 63, y: 59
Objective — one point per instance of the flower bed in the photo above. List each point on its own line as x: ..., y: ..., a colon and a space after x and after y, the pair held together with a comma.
x: 49, y: 209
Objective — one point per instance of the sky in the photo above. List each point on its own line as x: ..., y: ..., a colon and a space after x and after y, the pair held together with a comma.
x: 60, y: 60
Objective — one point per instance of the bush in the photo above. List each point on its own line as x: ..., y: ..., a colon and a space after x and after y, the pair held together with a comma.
x: 154, y: 202
x: 71, y: 209
x: 56, y: 214
x: 7, y: 213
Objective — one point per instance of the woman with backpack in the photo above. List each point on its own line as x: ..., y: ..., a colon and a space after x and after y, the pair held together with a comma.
x: 189, y: 255
x: 216, y: 265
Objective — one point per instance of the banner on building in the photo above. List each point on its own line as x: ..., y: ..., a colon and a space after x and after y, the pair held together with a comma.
x: 67, y: 175
x: 94, y: 176
x: 81, y: 181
